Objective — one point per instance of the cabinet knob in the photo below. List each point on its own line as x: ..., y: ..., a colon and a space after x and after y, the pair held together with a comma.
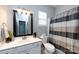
x: 27, y: 53
x: 6, y: 53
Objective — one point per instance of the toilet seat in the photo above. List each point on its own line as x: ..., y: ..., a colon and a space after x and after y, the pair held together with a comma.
x: 49, y: 48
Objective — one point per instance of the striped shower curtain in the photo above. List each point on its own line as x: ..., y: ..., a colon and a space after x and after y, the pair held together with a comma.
x: 64, y: 28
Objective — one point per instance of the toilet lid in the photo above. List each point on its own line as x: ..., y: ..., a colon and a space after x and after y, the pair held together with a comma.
x: 49, y: 47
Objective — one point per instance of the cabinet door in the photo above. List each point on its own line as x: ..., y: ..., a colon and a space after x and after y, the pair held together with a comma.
x: 28, y: 49
x: 8, y: 51
x: 4, y: 52
x: 36, y: 50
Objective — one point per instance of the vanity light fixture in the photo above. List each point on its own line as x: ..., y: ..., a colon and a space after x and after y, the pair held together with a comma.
x: 19, y: 10
x: 23, y: 11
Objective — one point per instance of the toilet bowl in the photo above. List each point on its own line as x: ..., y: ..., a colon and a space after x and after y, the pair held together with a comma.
x: 48, y: 48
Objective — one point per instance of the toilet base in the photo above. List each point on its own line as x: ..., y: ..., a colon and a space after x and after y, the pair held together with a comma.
x: 46, y: 52
x: 48, y: 48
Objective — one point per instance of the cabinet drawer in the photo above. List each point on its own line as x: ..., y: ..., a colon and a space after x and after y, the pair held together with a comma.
x: 35, y: 50
x: 27, y: 47
x: 8, y: 51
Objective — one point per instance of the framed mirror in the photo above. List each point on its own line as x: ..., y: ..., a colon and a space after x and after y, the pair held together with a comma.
x: 22, y: 24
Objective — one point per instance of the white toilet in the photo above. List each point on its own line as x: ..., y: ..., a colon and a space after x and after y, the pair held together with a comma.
x: 48, y: 48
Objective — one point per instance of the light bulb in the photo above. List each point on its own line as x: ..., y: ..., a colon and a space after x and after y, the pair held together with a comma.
x: 24, y: 11
x: 19, y: 10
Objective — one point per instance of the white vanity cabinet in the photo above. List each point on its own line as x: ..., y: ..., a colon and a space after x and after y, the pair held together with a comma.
x: 34, y: 48
x: 27, y: 46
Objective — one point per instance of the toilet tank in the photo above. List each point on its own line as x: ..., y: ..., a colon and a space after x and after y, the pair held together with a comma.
x: 44, y: 38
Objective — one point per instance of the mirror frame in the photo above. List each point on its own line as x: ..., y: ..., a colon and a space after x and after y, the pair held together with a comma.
x: 14, y: 25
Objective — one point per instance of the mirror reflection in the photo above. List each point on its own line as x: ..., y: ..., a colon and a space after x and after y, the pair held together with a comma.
x: 22, y: 24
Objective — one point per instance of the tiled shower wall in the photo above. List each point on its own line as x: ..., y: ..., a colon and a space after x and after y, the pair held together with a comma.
x: 64, y: 28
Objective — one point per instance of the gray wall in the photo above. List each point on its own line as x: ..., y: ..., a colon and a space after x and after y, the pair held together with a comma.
x: 34, y: 8
x: 63, y: 8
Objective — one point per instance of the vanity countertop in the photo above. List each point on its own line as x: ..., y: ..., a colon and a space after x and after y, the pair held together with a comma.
x: 18, y: 41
